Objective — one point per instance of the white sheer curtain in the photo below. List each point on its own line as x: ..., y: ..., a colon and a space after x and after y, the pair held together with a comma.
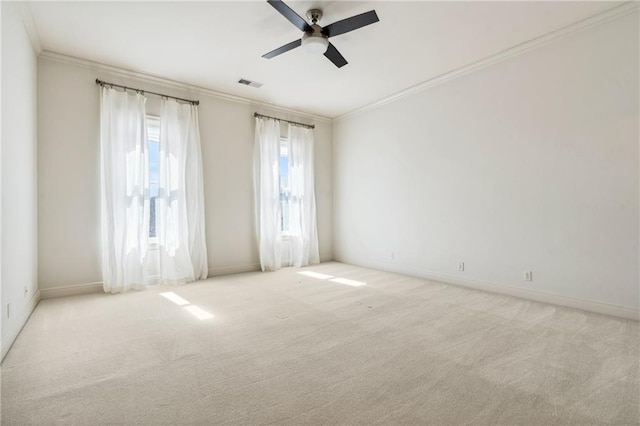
x: 267, y: 192
x: 180, y: 202
x: 303, y: 230
x: 124, y: 190
x: 300, y: 203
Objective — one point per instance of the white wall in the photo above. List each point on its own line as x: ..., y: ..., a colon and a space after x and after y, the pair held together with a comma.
x: 528, y: 164
x: 19, y: 176
x: 69, y: 203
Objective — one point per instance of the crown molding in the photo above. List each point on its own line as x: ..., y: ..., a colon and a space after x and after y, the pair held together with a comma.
x: 605, y: 16
x: 85, y: 63
x: 30, y: 27
x: 622, y: 10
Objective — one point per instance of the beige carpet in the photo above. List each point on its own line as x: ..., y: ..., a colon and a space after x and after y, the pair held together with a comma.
x: 285, y: 348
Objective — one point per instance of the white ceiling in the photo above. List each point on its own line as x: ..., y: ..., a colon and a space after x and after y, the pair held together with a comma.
x: 213, y: 44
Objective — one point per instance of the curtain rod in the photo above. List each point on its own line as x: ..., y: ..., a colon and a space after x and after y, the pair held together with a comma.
x: 112, y: 85
x: 308, y: 126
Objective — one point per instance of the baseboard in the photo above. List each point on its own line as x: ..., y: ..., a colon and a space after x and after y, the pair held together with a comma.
x: 96, y: 287
x: 233, y: 269
x: 626, y: 312
x: 252, y: 267
x: 326, y: 258
x: 15, y: 325
x: 71, y: 290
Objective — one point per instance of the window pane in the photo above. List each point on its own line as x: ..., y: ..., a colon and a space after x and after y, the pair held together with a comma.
x: 152, y: 217
x: 284, y: 188
x: 153, y: 143
x: 154, y: 152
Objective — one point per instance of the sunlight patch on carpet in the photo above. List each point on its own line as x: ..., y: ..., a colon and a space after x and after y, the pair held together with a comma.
x: 174, y: 298
x: 315, y: 275
x: 197, y: 312
x: 346, y: 281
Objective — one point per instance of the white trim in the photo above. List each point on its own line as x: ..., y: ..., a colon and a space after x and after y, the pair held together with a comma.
x: 97, y: 66
x: 627, y: 312
x: 253, y: 267
x: 17, y: 323
x: 605, y: 16
x: 608, y: 15
x: 233, y: 269
x: 30, y: 27
x: 71, y: 290
x: 96, y: 287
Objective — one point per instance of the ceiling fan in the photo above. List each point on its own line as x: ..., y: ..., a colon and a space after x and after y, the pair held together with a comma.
x: 316, y: 38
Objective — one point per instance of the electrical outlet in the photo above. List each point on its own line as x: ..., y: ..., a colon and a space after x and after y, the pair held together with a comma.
x: 527, y: 275
x: 461, y: 266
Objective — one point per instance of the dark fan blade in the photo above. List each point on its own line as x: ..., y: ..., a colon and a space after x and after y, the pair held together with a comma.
x: 334, y: 56
x: 288, y: 13
x: 280, y: 50
x: 350, y: 24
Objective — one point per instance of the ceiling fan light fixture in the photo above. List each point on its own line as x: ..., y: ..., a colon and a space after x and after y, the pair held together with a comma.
x: 315, y: 45
x: 315, y: 39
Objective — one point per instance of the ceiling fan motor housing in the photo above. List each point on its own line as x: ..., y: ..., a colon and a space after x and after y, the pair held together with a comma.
x: 314, y: 15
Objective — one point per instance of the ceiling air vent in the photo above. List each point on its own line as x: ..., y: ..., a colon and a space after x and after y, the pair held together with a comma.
x: 249, y: 83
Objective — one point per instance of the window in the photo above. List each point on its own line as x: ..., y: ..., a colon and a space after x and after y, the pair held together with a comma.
x: 153, y: 144
x: 284, y: 186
